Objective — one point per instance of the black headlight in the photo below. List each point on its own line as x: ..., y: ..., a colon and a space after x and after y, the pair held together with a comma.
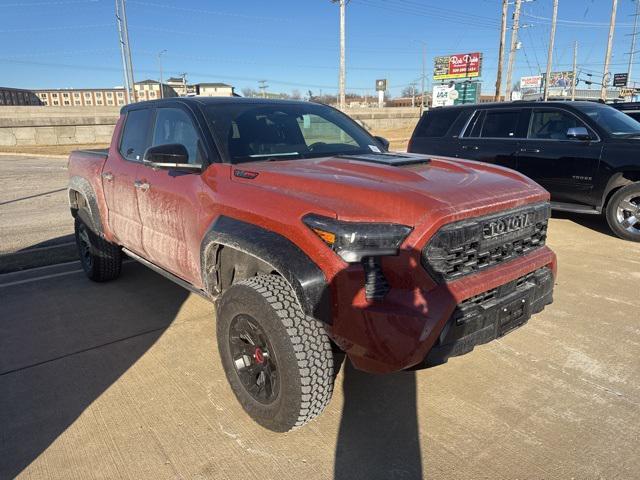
x: 354, y: 241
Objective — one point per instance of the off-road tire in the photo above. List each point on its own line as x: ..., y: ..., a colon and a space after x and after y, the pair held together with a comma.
x: 100, y: 260
x: 632, y: 190
x: 301, y: 347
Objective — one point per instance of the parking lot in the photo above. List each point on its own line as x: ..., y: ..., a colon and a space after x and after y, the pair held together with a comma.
x: 122, y: 380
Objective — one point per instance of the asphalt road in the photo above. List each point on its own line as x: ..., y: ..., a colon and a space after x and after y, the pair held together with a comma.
x: 122, y: 380
x: 35, y: 225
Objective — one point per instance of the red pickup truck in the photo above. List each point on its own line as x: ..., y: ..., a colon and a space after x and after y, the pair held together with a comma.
x: 313, y: 240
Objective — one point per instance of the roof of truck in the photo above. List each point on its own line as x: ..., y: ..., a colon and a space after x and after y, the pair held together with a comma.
x: 211, y: 101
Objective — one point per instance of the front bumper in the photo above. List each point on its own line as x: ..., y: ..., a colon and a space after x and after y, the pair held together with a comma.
x: 491, y: 315
x: 403, y: 330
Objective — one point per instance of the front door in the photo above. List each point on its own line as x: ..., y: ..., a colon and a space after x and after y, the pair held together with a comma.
x: 118, y: 179
x: 168, y: 199
x: 565, y: 167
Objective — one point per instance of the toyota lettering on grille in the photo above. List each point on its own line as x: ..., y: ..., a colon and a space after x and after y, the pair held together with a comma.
x: 505, y: 225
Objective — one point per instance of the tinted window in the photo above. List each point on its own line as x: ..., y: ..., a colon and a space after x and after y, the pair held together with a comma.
x: 173, y: 125
x: 500, y: 124
x: 136, y: 134
x: 436, y: 123
x: 552, y: 124
x: 253, y: 131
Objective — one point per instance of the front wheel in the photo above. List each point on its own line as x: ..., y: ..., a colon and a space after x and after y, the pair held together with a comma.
x: 623, y: 212
x: 277, y: 360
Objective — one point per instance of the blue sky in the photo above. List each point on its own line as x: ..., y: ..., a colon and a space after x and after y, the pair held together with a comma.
x: 293, y: 44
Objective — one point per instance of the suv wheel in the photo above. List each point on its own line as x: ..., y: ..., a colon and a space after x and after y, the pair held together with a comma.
x: 101, y: 260
x: 277, y: 360
x: 623, y: 212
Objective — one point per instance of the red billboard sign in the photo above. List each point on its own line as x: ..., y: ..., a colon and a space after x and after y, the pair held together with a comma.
x: 461, y: 65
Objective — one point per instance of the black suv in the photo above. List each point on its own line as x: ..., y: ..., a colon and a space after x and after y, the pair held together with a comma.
x: 586, y: 154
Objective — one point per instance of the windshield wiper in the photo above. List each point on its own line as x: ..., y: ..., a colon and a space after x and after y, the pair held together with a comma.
x: 270, y: 157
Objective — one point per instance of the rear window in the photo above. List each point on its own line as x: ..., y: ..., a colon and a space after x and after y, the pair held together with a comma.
x: 135, y: 137
x: 436, y: 123
x: 500, y: 124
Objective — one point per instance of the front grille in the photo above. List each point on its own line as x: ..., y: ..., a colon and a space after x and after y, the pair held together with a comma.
x: 467, y: 247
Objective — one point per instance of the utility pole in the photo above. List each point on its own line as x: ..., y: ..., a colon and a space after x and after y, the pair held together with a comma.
x: 424, y: 74
x: 162, y: 52
x: 575, y: 71
x: 633, y: 41
x: 607, y: 58
x: 552, y: 39
x: 184, y: 83
x: 342, y: 81
x: 263, y: 86
x: 503, y: 38
x: 125, y: 50
x: 514, y: 46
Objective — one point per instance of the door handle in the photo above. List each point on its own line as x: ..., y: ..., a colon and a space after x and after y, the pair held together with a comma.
x: 140, y: 185
x: 470, y: 147
x: 108, y: 176
x: 530, y: 150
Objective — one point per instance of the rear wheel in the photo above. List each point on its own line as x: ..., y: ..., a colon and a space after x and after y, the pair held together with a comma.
x: 623, y: 212
x: 278, y: 361
x: 101, y: 260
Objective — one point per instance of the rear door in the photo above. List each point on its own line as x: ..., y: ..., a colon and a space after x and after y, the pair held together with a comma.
x: 119, y: 176
x: 565, y: 167
x: 493, y: 136
x: 168, y: 198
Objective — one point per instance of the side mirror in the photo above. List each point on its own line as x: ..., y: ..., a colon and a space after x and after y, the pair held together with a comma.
x: 172, y: 155
x: 384, y: 142
x: 578, y: 133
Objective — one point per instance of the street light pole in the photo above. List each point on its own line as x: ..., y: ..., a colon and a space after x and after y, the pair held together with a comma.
x: 162, y: 52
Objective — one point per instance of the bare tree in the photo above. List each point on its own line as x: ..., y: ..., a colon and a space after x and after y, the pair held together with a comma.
x: 295, y: 94
x: 248, y: 92
x: 409, y: 91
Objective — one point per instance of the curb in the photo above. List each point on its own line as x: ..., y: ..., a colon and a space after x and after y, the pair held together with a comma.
x: 41, y: 155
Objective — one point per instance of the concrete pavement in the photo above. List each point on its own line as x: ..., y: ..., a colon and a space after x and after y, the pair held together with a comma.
x: 122, y: 380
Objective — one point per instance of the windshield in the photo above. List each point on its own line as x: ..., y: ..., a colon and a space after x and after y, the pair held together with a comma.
x: 252, y: 132
x: 611, y: 120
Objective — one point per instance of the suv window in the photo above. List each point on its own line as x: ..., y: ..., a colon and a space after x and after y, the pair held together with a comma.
x: 552, y: 124
x: 436, y: 123
x: 136, y: 134
x: 500, y: 124
x: 173, y: 125
x: 475, y: 124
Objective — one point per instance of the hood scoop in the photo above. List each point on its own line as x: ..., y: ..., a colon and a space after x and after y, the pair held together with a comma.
x: 393, y: 159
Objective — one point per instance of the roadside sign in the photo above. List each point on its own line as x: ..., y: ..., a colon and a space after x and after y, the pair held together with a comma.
x: 460, y: 65
x: 442, y: 95
x: 620, y: 79
x: 468, y: 92
x: 381, y: 85
x: 530, y: 84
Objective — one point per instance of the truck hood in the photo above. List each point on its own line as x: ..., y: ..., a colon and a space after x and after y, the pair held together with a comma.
x: 408, y: 192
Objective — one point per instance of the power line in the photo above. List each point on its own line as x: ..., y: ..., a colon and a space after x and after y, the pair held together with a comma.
x: 209, y: 12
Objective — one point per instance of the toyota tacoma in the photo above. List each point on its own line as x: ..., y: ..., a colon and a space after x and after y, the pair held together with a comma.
x: 312, y: 240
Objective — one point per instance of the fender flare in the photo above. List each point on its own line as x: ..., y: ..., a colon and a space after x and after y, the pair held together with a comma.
x: 84, y: 188
x: 307, y: 280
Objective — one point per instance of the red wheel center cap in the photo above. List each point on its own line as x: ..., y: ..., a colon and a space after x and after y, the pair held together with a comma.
x: 258, y: 355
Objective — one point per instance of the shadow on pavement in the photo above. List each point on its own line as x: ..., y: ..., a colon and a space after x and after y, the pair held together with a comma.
x: 597, y: 223
x: 63, y: 342
x: 55, y: 250
x: 378, y: 437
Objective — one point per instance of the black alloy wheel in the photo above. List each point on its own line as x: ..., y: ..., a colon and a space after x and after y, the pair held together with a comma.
x: 254, y: 359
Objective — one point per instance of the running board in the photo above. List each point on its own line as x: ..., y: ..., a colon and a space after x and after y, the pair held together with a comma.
x: 169, y: 275
x: 575, y: 208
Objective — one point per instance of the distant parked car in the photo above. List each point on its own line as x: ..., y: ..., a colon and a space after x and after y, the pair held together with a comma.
x: 585, y: 154
x: 630, y: 108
